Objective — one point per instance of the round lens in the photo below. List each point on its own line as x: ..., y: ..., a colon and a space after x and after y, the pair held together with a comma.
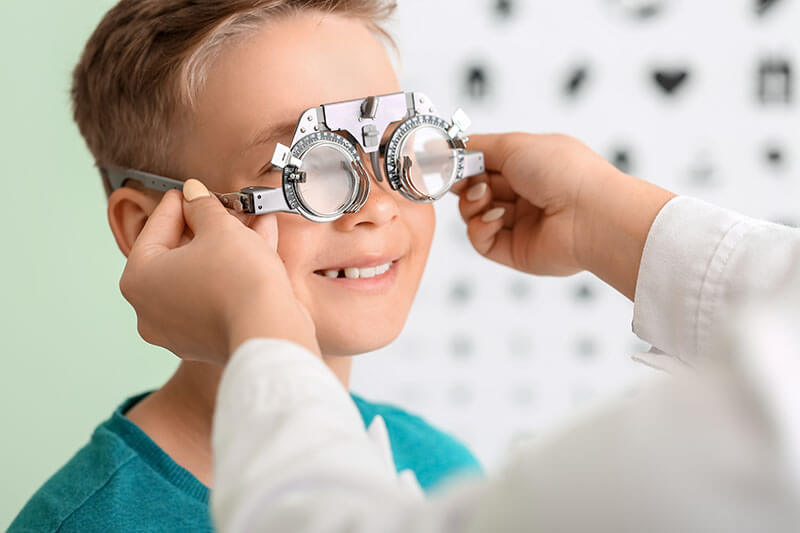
x: 433, y: 163
x: 329, y: 179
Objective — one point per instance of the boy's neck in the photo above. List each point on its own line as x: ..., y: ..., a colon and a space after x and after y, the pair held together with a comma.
x: 178, y: 416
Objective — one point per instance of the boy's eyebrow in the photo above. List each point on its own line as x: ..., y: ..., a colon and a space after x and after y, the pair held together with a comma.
x: 271, y: 134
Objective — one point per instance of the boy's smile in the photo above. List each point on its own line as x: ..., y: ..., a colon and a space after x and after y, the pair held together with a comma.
x: 368, y: 267
x: 357, y: 275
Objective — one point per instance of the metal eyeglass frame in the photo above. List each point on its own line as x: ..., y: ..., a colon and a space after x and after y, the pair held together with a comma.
x: 364, y: 120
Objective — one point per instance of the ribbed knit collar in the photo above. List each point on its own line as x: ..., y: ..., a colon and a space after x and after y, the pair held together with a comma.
x: 151, y: 454
x: 143, y: 446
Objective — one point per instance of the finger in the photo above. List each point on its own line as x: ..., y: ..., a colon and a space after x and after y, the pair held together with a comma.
x: 202, y: 210
x: 489, y: 238
x: 496, y: 148
x: 479, y: 198
x: 267, y: 227
x: 501, y: 189
x: 510, y: 214
x: 164, y: 226
x: 458, y: 187
x: 475, y: 199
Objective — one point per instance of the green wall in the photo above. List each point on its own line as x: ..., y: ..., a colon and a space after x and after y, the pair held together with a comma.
x: 69, y: 344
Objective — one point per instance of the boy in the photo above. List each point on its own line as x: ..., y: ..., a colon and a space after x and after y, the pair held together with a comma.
x: 207, y: 88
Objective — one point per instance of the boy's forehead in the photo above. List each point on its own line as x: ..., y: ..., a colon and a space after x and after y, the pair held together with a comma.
x: 263, y: 85
x: 272, y: 133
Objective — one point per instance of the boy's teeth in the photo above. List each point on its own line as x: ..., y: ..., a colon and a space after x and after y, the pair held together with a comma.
x: 359, y: 273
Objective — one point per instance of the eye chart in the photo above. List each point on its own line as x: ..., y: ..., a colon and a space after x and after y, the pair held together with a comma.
x: 698, y: 97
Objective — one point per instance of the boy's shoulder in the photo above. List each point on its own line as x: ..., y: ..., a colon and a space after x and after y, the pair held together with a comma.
x: 432, y: 454
x: 112, y: 485
x: 74, y: 485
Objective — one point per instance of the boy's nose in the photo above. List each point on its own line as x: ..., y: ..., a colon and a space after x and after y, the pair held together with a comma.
x: 379, y: 209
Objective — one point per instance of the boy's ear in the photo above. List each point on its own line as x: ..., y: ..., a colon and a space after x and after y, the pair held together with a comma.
x: 128, y: 211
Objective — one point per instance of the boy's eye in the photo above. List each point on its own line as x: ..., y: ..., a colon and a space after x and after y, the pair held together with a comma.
x: 270, y: 177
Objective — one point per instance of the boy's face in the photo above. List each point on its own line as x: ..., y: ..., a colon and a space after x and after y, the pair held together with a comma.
x: 264, y: 83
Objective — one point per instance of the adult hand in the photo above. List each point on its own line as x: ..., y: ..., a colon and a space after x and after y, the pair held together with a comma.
x: 549, y: 205
x: 202, y: 299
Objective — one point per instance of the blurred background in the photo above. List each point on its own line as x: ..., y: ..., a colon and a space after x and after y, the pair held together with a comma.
x: 697, y: 96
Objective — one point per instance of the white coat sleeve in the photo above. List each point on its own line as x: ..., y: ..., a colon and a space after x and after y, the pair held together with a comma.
x: 699, y: 260
x: 291, y: 454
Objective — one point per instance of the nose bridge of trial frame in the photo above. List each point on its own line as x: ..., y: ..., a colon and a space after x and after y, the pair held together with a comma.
x: 365, y: 119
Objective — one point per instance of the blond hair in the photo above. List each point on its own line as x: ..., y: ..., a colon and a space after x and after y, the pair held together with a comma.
x: 146, y: 61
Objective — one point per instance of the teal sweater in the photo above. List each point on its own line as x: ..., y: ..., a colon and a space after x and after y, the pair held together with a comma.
x: 122, y: 481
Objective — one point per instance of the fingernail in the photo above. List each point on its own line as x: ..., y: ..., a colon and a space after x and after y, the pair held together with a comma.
x: 193, y: 189
x: 476, y: 192
x: 493, y: 214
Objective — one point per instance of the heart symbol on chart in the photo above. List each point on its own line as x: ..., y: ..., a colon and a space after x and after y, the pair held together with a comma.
x: 670, y: 80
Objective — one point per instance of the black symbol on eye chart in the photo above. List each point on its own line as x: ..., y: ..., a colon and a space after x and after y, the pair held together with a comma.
x: 584, y: 293
x: 519, y: 289
x: 775, y: 81
x: 639, y: 9
x: 461, y: 292
x: 586, y: 348
x: 477, y: 83
x: 622, y: 159
x: 670, y: 81
x: 701, y: 169
x: 462, y: 347
x: 576, y: 81
x: 775, y: 157
x: 765, y: 6
x: 504, y: 9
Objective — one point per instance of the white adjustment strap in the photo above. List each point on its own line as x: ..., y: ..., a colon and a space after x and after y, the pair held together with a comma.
x: 473, y: 163
x: 282, y: 157
x: 461, y: 122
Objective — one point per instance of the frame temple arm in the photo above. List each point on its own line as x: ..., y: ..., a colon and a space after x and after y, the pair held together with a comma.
x: 118, y: 176
x: 250, y: 200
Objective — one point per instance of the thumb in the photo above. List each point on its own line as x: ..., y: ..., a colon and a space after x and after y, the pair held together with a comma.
x: 163, y: 228
x: 201, y: 209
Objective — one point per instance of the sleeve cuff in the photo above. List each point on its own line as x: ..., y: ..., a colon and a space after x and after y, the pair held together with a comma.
x: 680, y: 273
x: 265, y: 374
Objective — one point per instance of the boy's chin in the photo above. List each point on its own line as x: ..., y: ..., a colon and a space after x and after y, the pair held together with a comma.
x: 355, y: 344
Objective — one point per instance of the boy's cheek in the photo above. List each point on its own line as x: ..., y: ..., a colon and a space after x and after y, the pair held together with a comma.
x: 421, y: 221
x: 339, y: 334
x: 350, y: 326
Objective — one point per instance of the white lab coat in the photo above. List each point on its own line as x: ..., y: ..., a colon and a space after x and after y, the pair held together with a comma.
x: 713, y: 448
